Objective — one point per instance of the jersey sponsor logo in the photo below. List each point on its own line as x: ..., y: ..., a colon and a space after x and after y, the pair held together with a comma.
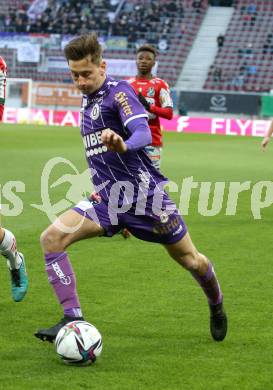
x: 179, y: 230
x: 122, y: 100
x: 151, y: 92
x: 95, y: 151
x: 66, y: 280
x: 92, y: 139
x: 93, y: 144
x: 95, y: 112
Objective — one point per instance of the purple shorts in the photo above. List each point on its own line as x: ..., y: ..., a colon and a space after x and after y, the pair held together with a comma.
x: 165, y: 228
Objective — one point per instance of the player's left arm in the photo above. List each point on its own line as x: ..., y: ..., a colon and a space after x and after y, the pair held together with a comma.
x: 3, y: 78
x: 141, y: 136
x: 165, y: 107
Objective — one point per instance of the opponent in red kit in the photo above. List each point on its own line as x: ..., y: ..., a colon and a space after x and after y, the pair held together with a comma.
x: 154, y: 94
x: 15, y: 259
x: 3, y: 77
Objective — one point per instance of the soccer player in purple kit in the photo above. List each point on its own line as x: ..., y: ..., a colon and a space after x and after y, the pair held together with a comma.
x: 114, y: 129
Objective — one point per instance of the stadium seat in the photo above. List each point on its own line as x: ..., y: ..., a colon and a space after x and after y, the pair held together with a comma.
x: 179, y: 28
x: 240, y: 33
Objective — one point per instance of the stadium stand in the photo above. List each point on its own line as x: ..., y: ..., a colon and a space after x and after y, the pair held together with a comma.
x: 244, y: 62
x: 171, y: 25
x: 13, y: 14
x: 59, y: 17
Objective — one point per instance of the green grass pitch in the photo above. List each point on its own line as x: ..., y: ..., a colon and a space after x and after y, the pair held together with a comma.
x: 152, y: 315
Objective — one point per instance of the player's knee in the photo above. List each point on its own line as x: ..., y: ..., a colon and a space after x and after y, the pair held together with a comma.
x: 50, y: 240
x: 45, y: 239
x: 191, y: 261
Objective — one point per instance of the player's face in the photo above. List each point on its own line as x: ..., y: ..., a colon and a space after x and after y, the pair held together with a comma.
x: 87, y: 76
x: 145, y: 62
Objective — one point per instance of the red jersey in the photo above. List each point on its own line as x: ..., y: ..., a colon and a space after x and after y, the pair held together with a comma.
x: 157, y: 93
x: 3, y: 78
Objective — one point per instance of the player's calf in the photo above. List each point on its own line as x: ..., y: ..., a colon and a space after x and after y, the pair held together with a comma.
x: 203, y: 272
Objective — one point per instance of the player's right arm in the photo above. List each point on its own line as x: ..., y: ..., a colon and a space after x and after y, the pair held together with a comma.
x: 3, y: 78
x: 267, y: 137
x: 113, y: 141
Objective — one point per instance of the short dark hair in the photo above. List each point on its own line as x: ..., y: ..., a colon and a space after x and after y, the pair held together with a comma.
x: 147, y: 47
x: 80, y: 47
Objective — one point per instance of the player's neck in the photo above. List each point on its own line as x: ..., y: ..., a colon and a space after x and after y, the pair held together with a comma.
x: 101, y: 82
x: 147, y: 76
x: 98, y: 86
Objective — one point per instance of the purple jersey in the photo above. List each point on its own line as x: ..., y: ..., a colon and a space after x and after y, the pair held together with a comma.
x: 114, y: 106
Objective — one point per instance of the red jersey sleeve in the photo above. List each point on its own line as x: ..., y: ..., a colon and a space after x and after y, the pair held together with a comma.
x: 3, y: 79
x: 165, y: 95
x: 1, y: 112
x: 165, y: 110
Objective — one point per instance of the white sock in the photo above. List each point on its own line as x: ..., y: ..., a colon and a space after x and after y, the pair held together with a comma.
x: 9, y: 251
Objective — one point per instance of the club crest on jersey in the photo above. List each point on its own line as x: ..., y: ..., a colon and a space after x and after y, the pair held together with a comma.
x: 95, y: 112
x: 170, y: 224
x: 151, y: 92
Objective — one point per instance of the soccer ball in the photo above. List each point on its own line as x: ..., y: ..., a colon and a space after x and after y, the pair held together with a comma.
x: 78, y: 343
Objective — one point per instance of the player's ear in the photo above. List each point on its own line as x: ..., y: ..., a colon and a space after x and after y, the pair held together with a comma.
x: 102, y: 68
